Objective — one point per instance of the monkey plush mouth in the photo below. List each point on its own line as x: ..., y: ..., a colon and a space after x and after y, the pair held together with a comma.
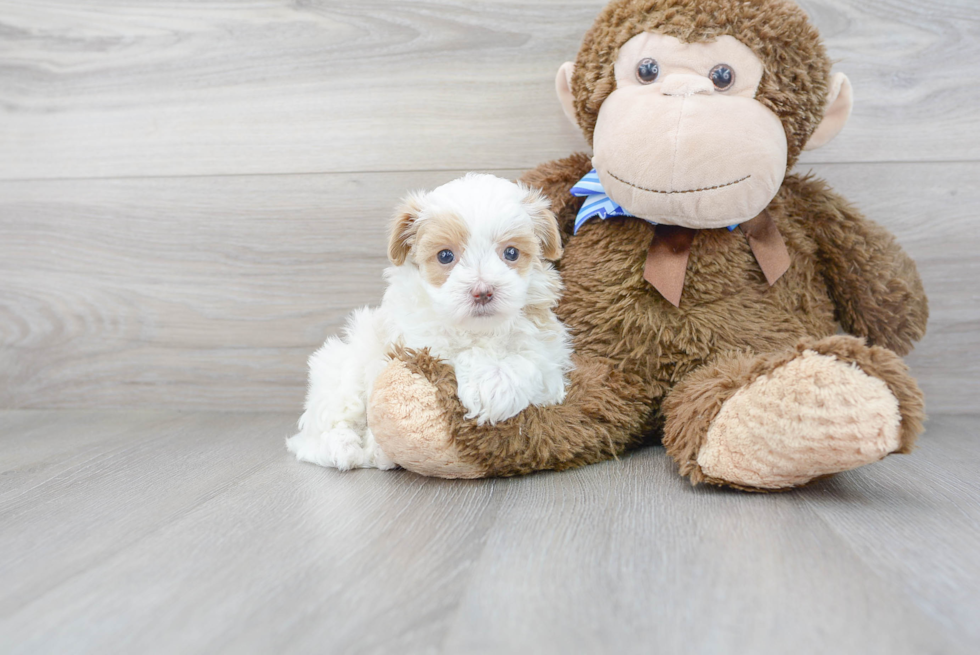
x: 707, y: 188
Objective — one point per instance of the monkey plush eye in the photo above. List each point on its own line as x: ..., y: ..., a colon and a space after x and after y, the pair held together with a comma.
x: 722, y: 76
x: 647, y: 71
x: 511, y: 253
x: 445, y: 256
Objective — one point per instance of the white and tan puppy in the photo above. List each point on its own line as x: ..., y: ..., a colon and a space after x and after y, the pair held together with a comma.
x: 471, y: 281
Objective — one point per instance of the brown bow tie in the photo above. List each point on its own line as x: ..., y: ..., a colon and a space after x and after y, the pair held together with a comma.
x: 666, y: 263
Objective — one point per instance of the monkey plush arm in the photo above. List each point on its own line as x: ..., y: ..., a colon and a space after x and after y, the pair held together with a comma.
x: 874, y: 285
x: 419, y: 422
x: 555, y: 178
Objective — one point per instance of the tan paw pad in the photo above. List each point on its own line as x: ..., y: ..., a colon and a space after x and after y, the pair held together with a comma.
x: 813, y: 416
x: 411, y: 427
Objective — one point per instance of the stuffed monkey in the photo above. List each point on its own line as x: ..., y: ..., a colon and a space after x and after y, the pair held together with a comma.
x: 704, y: 282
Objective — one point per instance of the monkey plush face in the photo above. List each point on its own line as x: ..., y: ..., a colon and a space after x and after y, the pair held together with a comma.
x: 682, y: 140
x: 697, y: 108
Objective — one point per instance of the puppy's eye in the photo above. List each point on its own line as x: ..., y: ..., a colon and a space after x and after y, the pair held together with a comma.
x: 511, y: 253
x: 446, y: 256
x: 722, y: 76
x: 647, y: 71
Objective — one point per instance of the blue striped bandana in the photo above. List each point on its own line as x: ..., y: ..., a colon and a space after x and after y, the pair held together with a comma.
x: 597, y: 203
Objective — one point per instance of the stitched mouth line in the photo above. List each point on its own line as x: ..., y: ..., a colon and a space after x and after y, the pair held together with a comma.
x: 707, y: 188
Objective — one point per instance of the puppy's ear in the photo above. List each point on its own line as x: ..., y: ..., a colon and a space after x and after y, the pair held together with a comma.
x: 538, y: 208
x: 401, y: 234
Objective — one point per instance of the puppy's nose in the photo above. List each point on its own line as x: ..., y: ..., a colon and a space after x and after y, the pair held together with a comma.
x: 482, y: 294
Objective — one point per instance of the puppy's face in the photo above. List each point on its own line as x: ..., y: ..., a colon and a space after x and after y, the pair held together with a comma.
x: 477, y: 242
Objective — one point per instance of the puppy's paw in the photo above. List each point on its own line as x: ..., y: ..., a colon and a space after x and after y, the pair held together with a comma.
x: 553, y: 390
x: 375, y: 456
x: 468, y: 392
x: 339, y: 448
x: 495, y: 395
x: 346, y: 449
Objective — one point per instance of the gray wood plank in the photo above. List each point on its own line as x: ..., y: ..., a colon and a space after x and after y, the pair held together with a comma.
x: 924, y: 530
x: 105, y: 89
x: 625, y: 557
x: 211, y: 538
x: 57, y: 526
x: 205, y: 536
x: 210, y: 293
x: 37, y: 447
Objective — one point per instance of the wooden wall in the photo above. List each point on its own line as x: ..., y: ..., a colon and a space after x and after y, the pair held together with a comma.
x: 193, y: 195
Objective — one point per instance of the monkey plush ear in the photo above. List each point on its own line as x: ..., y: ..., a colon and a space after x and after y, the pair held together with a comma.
x: 563, y: 85
x: 545, y: 224
x: 840, y: 99
x: 401, y: 234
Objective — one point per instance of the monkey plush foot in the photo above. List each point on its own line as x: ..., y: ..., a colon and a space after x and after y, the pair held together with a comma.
x: 410, y: 425
x: 777, y: 421
x: 812, y: 416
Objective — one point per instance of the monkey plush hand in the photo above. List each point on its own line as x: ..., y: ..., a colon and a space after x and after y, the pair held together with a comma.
x: 704, y: 282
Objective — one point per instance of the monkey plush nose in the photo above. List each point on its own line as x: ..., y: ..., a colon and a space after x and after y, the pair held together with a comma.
x: 482, y: 294
x: 680, y: 84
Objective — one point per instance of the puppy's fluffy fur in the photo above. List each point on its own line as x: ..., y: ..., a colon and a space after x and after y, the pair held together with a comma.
x: 470, y: 281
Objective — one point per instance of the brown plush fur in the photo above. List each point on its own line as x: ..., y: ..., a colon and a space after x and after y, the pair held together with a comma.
x: 642, y: 362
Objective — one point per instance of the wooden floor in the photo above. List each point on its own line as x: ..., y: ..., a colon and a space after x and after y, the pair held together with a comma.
x: 165, y: 532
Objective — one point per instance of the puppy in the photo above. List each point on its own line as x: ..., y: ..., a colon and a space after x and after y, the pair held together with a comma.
x: 471, y: 282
